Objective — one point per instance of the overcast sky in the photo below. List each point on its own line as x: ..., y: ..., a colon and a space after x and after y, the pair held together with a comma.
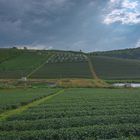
x: 88, y: 25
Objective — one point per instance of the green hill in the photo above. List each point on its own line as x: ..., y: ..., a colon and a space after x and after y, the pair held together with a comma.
x: 57, y: 64
x: 132, y: 53
x: 22, y: 64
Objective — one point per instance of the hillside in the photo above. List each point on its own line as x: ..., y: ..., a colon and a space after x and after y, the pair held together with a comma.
x: 21, y: 65
x: 116, y: 68
x: 36, y: 64
x: 64, y: 65
x: 6, y: 54
x: 132, y: 53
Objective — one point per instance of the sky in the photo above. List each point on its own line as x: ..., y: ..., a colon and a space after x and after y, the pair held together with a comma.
x: 87, y: 25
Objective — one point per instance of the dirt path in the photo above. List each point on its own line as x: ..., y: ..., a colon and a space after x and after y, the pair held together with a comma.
x: 99, y: 82
x: 92, y: 70
x: 19, y: 110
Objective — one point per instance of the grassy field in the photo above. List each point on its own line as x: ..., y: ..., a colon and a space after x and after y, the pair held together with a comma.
x: 115, y: 68
x: 14, y: 98
x: 79, y: 114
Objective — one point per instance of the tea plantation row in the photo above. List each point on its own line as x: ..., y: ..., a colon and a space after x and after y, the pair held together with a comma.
x: 79, y: 114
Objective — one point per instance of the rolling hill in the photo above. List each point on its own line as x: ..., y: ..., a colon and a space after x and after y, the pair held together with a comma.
x: 131, y: 53
x: 55, y: 64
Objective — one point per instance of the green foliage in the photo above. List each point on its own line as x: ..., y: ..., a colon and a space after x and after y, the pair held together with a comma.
x: 6, y: 54
x: 22, y: 65
x: 13, y: 98
x: 64, y: 70
x: 79, y: 114
x: 62, y: 64
x: 114, y: 68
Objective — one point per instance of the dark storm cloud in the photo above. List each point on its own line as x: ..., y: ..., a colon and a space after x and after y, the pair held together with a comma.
x: 62, y: 24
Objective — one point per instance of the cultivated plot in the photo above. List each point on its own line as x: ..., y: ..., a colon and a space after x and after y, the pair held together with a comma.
x: 22, y: 65
x: 79, y: 114
x: 14, y: 98
x: 115, y: 68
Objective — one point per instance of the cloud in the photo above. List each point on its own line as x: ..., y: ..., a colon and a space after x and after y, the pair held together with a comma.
x: 68, y: 24
x: 35, y: 47
x: 138, y: 43
x: 129, y: 5
x: 122, y: 11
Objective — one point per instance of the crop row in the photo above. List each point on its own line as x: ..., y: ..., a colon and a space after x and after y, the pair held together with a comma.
x: 56, y: 123
x: 36, y: 110
x: 78, y: 114
x: 62, y: 114
x: 76, y: 133
x: 81, y: 104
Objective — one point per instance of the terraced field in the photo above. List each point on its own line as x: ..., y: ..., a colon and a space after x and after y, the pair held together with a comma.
x: 79, y: 114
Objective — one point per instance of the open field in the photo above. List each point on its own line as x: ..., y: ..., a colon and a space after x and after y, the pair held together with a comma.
x: 79, y: 114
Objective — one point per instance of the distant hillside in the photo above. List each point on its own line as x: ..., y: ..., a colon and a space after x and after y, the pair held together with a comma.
x: 42, y: 64
x: 56, y: 64
x: 125, y: 53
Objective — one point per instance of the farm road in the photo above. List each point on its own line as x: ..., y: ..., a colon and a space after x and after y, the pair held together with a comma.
x: 94, y: 75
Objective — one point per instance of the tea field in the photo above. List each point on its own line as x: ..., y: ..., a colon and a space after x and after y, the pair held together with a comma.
x: 21, y: 65
x: 78, y: 114
x: 64, y: 65
x: 14, y: 98
x: 116, y: 68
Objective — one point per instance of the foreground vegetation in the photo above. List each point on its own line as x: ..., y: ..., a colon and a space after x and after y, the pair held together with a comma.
x: 14, y: 98
x: 82, y: 114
